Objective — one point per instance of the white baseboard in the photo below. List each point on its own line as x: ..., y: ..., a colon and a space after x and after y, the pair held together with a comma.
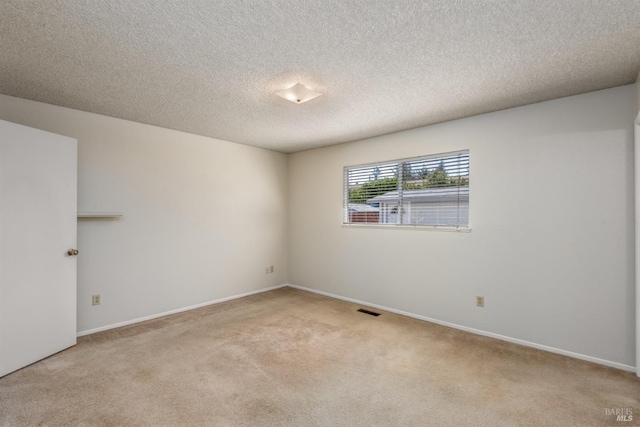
x: 178, y: 310
x: 476, y: 331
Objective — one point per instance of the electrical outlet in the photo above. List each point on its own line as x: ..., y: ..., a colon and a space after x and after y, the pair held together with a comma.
x: 480, y: 301
x: 95, y: 299
x: 271, y: 269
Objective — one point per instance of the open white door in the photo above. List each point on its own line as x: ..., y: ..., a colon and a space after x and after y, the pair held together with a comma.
x: 38, y: 216
x: 636, y: 168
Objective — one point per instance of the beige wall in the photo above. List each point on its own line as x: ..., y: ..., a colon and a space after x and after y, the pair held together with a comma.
x: 551, y: 211
x: 202, y: 217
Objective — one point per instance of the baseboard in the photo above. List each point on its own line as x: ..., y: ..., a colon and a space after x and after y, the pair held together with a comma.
x: 178, y: 310
x: 475, y: 331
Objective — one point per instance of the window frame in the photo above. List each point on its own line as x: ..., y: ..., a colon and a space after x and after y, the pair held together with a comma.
x: 398, y: 163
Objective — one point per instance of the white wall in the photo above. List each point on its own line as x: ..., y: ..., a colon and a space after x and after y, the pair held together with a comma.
x: 638, y: 93
x: 551, y: 208
x: 202, y: 217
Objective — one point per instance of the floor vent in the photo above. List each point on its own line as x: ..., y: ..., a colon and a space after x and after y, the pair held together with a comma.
x: 372, y: 313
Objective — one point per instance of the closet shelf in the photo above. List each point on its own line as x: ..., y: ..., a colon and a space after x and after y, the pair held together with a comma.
x: 99, y: 214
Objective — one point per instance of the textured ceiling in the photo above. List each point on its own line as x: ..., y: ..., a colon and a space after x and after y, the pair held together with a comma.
x: 212, y: 67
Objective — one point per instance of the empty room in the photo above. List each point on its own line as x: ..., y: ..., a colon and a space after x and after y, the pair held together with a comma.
x: 331, y: 213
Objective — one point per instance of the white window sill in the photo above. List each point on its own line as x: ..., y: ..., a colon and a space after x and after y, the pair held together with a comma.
x: 409, y: 227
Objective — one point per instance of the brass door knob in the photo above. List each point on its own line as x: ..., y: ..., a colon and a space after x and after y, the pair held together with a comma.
x: 72, y: 252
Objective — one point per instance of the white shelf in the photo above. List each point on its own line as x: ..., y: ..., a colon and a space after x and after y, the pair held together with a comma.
x: 99, y: 214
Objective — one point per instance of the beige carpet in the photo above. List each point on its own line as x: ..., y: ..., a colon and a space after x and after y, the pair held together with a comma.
x: 291, y: 358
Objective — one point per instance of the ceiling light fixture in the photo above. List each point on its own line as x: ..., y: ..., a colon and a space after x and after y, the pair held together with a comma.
x: 298, y: 93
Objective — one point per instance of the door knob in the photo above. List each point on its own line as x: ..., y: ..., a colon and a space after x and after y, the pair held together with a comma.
x: 72, y: 252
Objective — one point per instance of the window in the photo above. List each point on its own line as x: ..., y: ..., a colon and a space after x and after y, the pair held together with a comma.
x: 430, y: 191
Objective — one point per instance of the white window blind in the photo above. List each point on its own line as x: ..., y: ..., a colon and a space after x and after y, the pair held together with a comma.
x: 430, y: 191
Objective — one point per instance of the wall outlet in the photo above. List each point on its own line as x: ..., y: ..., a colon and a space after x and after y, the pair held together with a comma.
x: 480, y: 301
x: 271, y: 269
x: 95, y: 299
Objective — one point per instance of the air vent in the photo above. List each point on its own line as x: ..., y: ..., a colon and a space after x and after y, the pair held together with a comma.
x: 371, y: 313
